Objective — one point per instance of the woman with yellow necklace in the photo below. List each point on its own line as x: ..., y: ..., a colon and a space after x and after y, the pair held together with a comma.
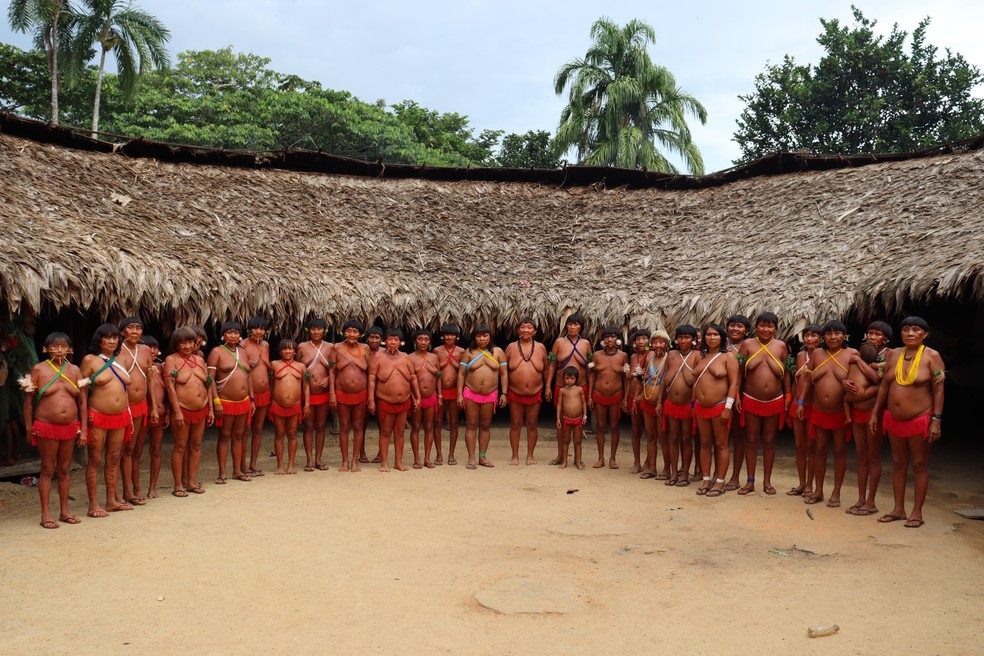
x: 911, y: 397
x: 827, y: 368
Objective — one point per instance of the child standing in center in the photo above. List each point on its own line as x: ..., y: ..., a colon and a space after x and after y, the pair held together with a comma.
x: 572, y: 413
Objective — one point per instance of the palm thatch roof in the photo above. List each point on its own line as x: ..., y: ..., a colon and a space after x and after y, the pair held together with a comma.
x: 113, y: 231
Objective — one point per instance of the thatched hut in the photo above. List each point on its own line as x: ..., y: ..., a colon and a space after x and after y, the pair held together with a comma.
x: 116, y: 233
x: 179, y: 234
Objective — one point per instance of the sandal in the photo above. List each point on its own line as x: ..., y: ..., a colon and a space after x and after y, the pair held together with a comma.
x: 181, y: 494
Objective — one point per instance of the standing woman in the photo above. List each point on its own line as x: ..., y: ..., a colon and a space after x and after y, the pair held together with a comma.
x: 188, y: 387
x: 484, y: 373
x: 911, y: 397
x: 804, y: 445
x: 715, y: 384
x: 55, y: 386
x: 109, y: 421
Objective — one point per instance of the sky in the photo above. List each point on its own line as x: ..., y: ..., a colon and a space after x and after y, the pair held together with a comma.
x: 495, y: 60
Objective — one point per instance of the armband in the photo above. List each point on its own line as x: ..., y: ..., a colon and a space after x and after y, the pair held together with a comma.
x: 741, y: 360
x: 800, y: 402
x: 939, y: 375
x: 216, y: 401
x: 551, y: 357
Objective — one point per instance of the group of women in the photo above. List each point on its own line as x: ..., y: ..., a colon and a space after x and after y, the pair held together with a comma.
x: 728, y: 390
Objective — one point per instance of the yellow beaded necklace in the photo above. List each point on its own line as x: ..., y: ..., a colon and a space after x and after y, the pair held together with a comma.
x: 909, y: 377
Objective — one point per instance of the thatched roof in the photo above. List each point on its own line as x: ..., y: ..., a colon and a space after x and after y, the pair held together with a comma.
x: 191, y: 242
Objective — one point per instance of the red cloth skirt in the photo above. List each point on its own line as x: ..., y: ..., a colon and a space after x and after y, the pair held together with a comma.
x: 827, y: 421
x: 234, y: 408
x: 676, y: 411
x: 708, y: 412
x: 263, y: 399
x: 392, y: 408
x: 277, y: 410
x: 450, y: 394
x: 139, y: 409
x: 346, y: 398
x: 607, y: 401
x: 524, y: 399
x: 911, y: 428
x: 429, y: 402
x: 470, y: 395
x: 861, y: 416
x: 112, y: 422
x: 573, y: 421
x: 321, y: 399
x: 193, y: 417
x: 758, y: 408
x: 60, y: 432
x: 647, y: 408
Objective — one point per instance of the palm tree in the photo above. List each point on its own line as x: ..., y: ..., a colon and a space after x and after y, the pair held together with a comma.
x: 50, y: 21
x: 135, y: 37
x: 621, y: 104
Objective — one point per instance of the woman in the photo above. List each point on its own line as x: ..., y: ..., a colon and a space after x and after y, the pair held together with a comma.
x: 804, y: 445
x: 484, y: 373
x: 54, y: 424
x: 911, y: 398
x: 109, y: 420
x: 188, y: 387
x: 715, y: 383
x: 647, y: 404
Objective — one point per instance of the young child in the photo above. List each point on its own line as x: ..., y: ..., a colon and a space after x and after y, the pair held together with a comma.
x: 291, y: 399
x: 572, y: 413
x: 156, y: 430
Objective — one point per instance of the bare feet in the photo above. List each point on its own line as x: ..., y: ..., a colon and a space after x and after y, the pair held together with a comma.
x: 599, y: 464
x: 579, y: 464
x: 563, y: 465
x: 514, y: 461
x: 291, y: 471
x: 612, y: 464
x: 280, y: 472
x: 530, y: 460
x: 485, y: 462
x: 556, y: 461
x: 355, y: 467
x: 152, y: 494
x: 383, y: 467
x: 401, y: 467
x: 344, y: 467
x: 636, y: 468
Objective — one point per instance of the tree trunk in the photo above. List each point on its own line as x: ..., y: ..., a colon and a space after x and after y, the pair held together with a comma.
x: 95, y: 105
x: 53, y: 62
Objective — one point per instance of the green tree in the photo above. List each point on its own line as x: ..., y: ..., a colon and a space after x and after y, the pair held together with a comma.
x: 25, y: 87
x: 867, y: 94
x: 50, y: 21
x: 528, y: 151
x: 135, y: 38
x: 449, y: 135
x: 622, y: 108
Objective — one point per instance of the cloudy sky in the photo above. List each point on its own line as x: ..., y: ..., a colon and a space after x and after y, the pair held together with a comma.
x: 494, y: 61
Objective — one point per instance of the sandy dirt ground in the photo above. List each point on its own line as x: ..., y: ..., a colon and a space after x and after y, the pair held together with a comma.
x: 374, y: 562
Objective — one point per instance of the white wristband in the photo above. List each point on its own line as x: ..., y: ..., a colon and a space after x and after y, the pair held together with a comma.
x: 729, y: 402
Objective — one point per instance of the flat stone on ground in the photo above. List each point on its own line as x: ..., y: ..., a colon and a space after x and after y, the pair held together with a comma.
x: 531, y: 595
